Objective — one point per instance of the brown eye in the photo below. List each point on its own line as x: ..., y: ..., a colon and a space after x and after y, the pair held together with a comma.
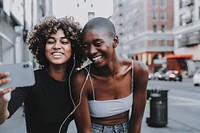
x: 85, y: 46
x: 98, y: 43
x: 50, y: 41
x: 65, y: 41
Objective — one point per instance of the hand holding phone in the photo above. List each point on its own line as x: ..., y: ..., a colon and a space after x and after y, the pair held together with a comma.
x: 21, y: 74
x: 4, y: 78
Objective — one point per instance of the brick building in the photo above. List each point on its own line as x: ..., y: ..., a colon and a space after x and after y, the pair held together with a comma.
x: 145, y: 29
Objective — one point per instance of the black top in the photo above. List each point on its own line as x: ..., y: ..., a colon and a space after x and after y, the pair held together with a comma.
x: 47, y: 104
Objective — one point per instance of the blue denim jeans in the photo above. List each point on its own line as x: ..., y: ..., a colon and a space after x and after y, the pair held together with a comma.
x: 119, y: 128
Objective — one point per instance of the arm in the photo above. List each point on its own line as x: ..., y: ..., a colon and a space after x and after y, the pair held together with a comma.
x: 140, y: 85
x: 80, y: 95
x: 4, y: 97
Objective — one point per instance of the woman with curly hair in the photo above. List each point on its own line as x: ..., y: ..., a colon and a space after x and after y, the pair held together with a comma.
x: 48, y: 104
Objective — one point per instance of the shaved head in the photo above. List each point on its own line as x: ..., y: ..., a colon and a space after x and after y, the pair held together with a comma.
x: 100, y: 23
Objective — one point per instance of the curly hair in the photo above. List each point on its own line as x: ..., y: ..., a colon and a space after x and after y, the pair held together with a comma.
x: 44, y: 28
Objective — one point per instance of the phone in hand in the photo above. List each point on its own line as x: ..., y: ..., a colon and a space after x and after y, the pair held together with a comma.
x: 21, y: 74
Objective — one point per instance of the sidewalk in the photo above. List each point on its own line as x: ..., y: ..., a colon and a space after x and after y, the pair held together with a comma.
x: 172, y: 127
x: 16, y: 124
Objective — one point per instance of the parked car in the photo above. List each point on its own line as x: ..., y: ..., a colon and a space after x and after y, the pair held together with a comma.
x: 173, y: 75
x: 150, y: 76
x: 196, y: 78
x: 158, y: 76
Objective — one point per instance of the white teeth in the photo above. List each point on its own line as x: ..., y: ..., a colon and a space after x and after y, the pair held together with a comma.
x: 57, y: 55
x: 96, y: 58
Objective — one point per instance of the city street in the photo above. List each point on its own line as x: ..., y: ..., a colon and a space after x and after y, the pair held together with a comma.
x: 183, y: 107
x: 183, y: 110
x: 163, y: 34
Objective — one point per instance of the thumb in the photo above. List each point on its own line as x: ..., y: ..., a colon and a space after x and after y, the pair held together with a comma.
x: 7, y: 96
x: 6, y: 93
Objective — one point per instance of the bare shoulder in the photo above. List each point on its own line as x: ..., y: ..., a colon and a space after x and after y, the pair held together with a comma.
x: 126, y: 62
x: 80, y: 75
x: 140, y: 65
x: 141, y: 73
x: 140, y: 68
x: 80, y: 84
x: 125, y: 65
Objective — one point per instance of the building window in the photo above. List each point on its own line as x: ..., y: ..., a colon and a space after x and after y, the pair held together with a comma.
x: 184, y: 3
x: 199, y: 12
x: 155, y: 42
x: 1, y: 3
x: 120, y: 5
x: 163, y: 28
x: 163, y: 3
x: 186, y: 18
x: 181, y: 4
x: 163, y: 16
x: 163, y: 43
x: 91, y: 15
x: 120, y: 14
x: 154, y: 28
x: 155, y: 15
x: 155, y: 3
x: 181, y: 20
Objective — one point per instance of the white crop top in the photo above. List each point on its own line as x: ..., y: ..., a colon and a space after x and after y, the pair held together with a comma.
x: 105, y: 108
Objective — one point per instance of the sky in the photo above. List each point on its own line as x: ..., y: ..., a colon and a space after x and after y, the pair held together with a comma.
x: 102, y: 8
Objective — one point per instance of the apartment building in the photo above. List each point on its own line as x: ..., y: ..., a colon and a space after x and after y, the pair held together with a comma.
x: 145, y: 29
x: 187, y: 32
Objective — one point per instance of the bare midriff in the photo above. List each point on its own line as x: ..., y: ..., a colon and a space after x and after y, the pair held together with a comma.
x: 112, y: 120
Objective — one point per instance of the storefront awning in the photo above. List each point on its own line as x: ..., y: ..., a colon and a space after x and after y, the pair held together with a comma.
x: 183, y: 56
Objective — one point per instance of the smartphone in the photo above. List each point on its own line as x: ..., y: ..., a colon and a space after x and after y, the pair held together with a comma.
x: 21, y: 74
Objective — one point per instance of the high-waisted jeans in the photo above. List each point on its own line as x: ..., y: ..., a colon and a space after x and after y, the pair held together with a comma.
x: 119, y: 128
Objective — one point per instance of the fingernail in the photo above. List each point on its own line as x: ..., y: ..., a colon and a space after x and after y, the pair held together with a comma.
x: 8, y: 79
x: 7, y: 73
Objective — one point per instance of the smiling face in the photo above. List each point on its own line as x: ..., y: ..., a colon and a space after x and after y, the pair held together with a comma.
x: 58, y: 49
x: 99, y: 46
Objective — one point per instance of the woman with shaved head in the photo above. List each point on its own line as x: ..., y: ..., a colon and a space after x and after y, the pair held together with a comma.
x: 110, y: 93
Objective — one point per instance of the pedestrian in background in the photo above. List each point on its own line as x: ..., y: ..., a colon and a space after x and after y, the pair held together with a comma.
x: 109, y: 88
x: 48, y: 105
